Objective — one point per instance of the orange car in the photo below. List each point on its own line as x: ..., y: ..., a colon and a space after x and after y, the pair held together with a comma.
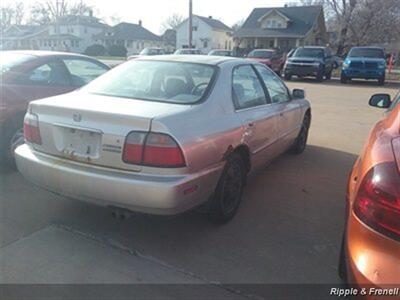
x: 370, y: 255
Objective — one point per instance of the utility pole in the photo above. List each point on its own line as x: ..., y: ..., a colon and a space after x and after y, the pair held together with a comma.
x: 190, y: 23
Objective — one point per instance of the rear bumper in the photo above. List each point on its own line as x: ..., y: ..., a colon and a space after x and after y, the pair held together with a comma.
x: 363, y: 73
x: 164, y: 195
x: 373, y: 260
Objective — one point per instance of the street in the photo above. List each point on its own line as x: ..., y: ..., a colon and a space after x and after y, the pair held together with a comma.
x: 288, y: 228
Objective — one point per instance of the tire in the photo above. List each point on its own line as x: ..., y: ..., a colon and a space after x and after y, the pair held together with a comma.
x: 342, y: 270
x: 300, y: 143
x: 328, y: 75
x: 288, y: 76
x: 13, y: 137
x: 320, y: 76
x: 344, y: 79
x: 227, y: 197
x: 381, y: 81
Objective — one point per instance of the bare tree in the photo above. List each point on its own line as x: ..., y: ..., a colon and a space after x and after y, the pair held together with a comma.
x: 237, y: 25
x: 172, y: 22
x: 12, y: 15
x: 80, y: 8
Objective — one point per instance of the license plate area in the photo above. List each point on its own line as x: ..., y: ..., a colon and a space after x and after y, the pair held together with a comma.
x: 77, y: 143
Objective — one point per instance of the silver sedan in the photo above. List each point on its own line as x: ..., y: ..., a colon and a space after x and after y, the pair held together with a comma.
x: 165, y: 134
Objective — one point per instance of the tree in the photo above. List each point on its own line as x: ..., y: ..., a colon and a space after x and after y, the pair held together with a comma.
x: 237, y: 25
x: 96, y: 50
x: 12, y: 15
x: 172, y: 22
x: 117, y: 50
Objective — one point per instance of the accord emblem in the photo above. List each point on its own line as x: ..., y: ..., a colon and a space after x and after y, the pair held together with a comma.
x: 77, y: 117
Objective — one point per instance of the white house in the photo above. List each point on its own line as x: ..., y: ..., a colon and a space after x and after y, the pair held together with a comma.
x: 208, y: 34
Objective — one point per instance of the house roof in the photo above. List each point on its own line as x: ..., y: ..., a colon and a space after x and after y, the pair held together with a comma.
x: 301, y: 20
x: 214, y: 23
x: 80, y: 20
x: 169, y: 36
x: 127, y: 31
x: 19, y: 31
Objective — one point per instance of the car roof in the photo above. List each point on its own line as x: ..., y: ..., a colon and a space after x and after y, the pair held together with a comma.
x: 312, y: 47
x: 264, y: 49
x: 41, y: 53
x: 367, y: 47
x: 198, y: 59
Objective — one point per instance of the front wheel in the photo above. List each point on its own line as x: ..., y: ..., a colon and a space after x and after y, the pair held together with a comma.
x: 228, y: 194
x: 328, y: 75
x: 381, y: 81
x: 344, y: 79
x: 301, y: 141
x: 320, y: 76
x: 288, y: 76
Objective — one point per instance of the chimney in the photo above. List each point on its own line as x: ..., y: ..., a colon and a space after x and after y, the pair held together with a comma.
x: 140, y: 22
x: 210, y: 17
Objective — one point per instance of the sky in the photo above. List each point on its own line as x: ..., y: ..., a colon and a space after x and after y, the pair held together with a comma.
x: 154, y: 12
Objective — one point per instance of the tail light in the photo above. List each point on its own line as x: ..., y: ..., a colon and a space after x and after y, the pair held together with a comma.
x: 377, y: 202
x: 31, y: 129
x: 152, y: 149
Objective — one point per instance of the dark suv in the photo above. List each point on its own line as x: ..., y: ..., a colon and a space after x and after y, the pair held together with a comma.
x: 310, y: 61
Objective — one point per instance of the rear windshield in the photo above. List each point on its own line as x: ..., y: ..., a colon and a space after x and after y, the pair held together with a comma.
x: 221, y: 53
x: 261, y: 54
x: 9, y: 60
x: 152, y: 51
x: 171, y: 82
x: 367, y: 52
x: 309, y: 52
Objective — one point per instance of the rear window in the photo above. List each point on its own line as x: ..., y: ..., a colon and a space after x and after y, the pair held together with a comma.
x: 367, y: 52
x: 309, y: 52
x: 261, y: 54
x: 170, y: 82
x: 10, y: 60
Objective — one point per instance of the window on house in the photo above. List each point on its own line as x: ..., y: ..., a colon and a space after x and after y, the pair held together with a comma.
x: 194, y: 28
x: 205, y: 44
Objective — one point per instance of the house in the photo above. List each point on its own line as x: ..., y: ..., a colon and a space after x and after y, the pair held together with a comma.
x: 67, y: 33
x: 133, y: 36
x: 208, y: 34
x: 169, y: 39
x: 283, y: 27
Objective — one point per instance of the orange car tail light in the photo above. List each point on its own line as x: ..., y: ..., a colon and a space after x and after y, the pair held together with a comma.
x: 377, y: 203
x: 31, y: 129
x: 152, y: 149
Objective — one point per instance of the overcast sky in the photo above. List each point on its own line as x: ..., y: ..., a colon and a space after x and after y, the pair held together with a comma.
x: 154, y: 12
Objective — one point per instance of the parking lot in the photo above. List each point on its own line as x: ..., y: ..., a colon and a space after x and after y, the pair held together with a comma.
x: 288, y: 229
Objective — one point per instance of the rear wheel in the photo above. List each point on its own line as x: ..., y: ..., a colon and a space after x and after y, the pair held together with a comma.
x: 320, y: 76
x: 344, y: 79
x: 228, y: 194
x: 328, y: 75
x: 381, y: 81
x: 301, y: 141
x: 288, y: 76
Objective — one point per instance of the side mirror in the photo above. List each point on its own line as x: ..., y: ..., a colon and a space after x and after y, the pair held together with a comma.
x: 380, y: 101
x: 298, y: 94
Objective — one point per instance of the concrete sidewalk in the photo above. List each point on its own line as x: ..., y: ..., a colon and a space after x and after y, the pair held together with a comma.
x: 57, y: 255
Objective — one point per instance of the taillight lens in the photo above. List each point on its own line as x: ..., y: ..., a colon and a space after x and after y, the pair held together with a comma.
x: 377, y: 203
x: 31, y: 129
x: 153, y: 149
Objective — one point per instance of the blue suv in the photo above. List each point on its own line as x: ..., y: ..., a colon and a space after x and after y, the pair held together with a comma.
x: 365, y: 63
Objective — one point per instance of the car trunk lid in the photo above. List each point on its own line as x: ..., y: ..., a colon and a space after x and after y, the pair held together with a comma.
x: 92, y: 128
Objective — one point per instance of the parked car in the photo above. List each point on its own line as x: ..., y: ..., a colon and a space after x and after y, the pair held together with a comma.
x: 310, y: 61
x: 272, y: 58
x: 188, y: 51
x: 162, y: 136
x: 221, y: 52
x: 365, y: 63
x: 30, y: 75
x: 370, y: 253
x: 149, y: 51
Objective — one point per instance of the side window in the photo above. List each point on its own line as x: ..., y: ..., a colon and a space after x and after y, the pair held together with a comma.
x: 276, y: 88
x: 247, y: 90
x: 83, y: 71
x: 49, y: 74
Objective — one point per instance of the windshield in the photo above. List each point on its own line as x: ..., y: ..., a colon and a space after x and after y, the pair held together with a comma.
x: 261, y: 54
x: 309, y: 52
x: 148, y: 51
x: 171, y: 82
x: 11, y: 60
x: 367, y: 52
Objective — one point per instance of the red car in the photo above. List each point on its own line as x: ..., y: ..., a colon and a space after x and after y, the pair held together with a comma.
x: 30, y: 75
x: 272, y: 58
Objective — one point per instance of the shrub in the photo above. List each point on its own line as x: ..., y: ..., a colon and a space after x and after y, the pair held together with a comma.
x: 117, y: 50
x: 95, y: 50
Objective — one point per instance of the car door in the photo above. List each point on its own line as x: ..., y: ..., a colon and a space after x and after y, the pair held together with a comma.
x: 252, y: 106
x: 82, y: 71
x: 289, y: 111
